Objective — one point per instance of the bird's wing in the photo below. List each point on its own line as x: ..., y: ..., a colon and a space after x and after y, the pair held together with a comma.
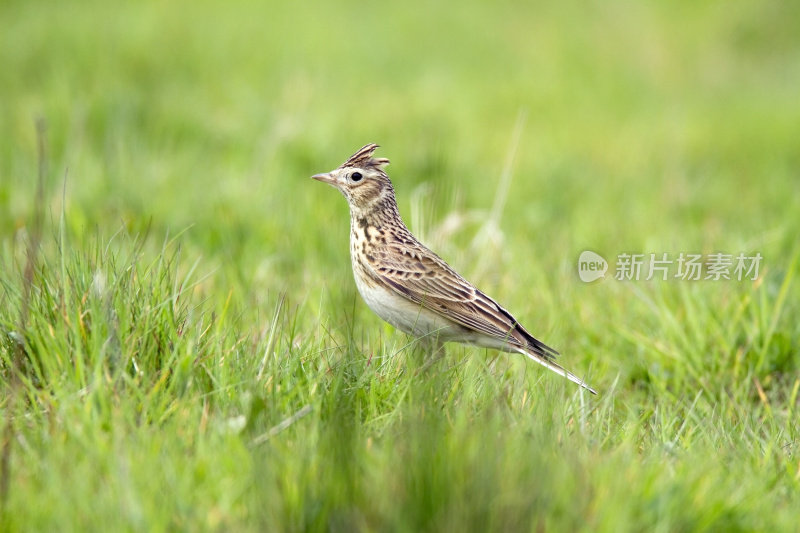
x: 422, y: 277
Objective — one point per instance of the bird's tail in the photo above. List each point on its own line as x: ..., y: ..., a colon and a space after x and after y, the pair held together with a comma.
x: 558, y: 369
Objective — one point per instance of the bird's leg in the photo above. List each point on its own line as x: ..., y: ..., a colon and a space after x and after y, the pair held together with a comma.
x: 434, y: 347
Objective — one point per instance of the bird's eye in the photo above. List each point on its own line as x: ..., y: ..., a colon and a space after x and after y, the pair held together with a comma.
x: 356, y: 176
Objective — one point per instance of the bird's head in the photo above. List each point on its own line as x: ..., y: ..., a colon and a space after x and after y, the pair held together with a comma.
x: 361, y: 179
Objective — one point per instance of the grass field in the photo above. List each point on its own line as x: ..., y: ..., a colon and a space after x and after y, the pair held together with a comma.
x: 182, y: 346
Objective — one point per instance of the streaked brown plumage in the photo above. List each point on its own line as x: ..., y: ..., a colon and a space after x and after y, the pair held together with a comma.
x: 408, y: 285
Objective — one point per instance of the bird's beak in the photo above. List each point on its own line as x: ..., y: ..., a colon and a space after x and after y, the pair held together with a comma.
x: 325, y: 178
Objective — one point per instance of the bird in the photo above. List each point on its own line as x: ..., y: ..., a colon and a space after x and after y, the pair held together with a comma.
x: 412, y: 288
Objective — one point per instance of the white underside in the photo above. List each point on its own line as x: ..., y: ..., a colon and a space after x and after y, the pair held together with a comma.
x: 414, y: 319
x: 405, y: 315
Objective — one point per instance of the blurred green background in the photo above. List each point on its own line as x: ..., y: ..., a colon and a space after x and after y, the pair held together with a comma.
x: 687, y: 114
x: 640, y: 127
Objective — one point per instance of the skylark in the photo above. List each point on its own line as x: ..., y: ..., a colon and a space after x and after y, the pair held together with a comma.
x: 412, y: 288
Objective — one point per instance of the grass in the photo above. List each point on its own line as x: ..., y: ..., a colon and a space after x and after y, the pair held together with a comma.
x: 181, y: 343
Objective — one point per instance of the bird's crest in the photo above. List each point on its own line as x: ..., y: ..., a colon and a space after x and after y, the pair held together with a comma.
x: 363, y: 158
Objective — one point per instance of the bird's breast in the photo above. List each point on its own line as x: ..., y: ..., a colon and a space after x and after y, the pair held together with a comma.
x: 392, y: 307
